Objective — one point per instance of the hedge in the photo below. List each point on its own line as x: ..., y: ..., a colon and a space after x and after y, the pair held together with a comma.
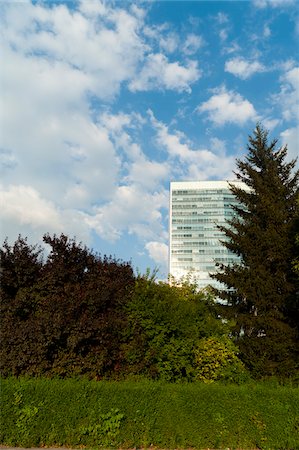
x: 78, y: 413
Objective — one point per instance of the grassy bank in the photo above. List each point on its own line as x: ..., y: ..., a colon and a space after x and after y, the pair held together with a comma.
x: 43, y: 412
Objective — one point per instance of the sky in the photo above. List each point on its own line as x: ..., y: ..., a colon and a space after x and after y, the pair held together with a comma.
x: 105, y: 103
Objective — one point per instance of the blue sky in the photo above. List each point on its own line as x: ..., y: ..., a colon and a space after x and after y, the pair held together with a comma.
x: 105, y: 103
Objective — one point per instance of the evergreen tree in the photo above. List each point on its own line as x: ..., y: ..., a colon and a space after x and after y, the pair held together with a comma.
x: 260, y: 291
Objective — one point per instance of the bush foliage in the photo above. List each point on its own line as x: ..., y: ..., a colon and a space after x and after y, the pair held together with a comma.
x: 76, y: 313
x: 167, y: 323
x: 65, y: 316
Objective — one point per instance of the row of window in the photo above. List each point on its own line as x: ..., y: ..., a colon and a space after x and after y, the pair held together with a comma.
x: 193, y: 266
x: 202, y: 220
x: 202, y: 200
x: 195, y: 199
x: 206, y: 243
x: 193, y: 228
x: 201, y: 264
x: 200, y: 213
x: 212, y: 233
x: 210, y: 252
x: 205, y: 259
x: 199, y: 206
x: 199, y: 192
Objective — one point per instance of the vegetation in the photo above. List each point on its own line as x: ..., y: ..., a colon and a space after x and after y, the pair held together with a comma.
x: 167, y: 326
x: 76, y: 313
x: 65, y: 316
x: 42, y: 412
x: 262, y: 294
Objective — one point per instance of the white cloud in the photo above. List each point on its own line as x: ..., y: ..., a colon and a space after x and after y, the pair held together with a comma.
x: 270, y: 124
x: 24, y: 211
x: 169, y: 43
x: 222, y: 18
x: 290, y: 137
x: 25, y: 205
x: 158, y: 252
x: 231, y: 48
x: 158, y: 72
x: 161, y: 35
x: 58, y: 34
x: 131, y: 209
x: 273, y: 3
x: 192, y: 43
x: 92, y: 9
x: 223, y: 34
x: 267, y: 31
x: 198, y: 164
x: 287, y: 100
x: 228, y: 107
x: 242, y: 68
x: 115, y: 122
x: 71, y: 168
x: 148, y: 174
x: 65, y: 57
x: 288, y: 97
x: 55, y: 137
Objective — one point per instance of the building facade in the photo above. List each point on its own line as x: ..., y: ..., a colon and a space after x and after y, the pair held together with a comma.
x: 196, y: 208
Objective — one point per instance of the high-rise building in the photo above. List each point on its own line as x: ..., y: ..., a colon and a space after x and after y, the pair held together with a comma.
x: 196, y: 208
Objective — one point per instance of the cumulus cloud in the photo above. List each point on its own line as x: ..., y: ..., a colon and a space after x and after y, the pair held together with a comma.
x: 232, y: 47
x: 148, y: 174
x: 25, y: 204
x: 132, y: 209
x: 192, y: 43
x: 169, y: 43
x: 290, y: 137
x: 161, y: 35
x: 222, y: 18
x: 287, y: 100
x: 267, y: 31
x: 273, y: 3
x: 242, y: 68
x: 70, y: 166
x: 270, y: 123
x: 288, y: 96
x: 222, y: 26
x: 158, y: 252
x: 223, y: 34
x: 194, y: 164
x: 158, y: 72
x: 25, y: 211
x: 226, y: 106
x: 86, y: 48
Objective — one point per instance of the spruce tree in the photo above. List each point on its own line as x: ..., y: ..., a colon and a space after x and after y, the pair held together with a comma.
x: 260, y: 291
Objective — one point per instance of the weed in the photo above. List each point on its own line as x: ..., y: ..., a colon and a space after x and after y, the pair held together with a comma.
x: 105, y: 432
x: 25, y: 418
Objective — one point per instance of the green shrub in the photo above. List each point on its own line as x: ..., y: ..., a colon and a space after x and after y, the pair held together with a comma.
x: 217, y: 360
x: 165, y: 324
